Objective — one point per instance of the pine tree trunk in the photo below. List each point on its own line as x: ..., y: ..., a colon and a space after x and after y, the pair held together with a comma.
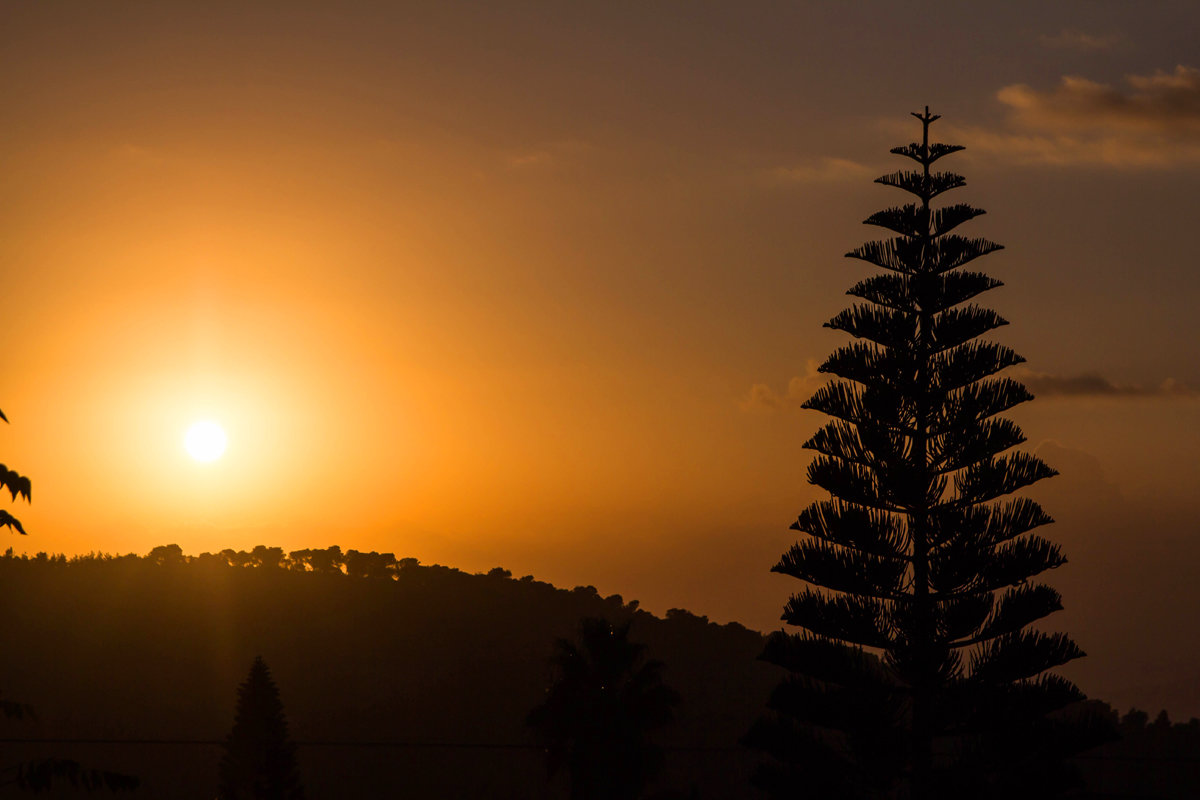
x: 922, y: 736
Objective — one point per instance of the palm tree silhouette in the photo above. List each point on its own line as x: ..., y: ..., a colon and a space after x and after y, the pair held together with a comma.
x: 603, y: 702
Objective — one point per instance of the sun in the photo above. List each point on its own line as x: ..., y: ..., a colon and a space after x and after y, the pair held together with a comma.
x: 205, y: 440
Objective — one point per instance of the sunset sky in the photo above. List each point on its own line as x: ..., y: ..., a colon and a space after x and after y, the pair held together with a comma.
x: 541, y: 285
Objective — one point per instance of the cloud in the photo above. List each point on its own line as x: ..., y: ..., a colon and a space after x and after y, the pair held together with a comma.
x: 1083, y: 481
x: 547, y: 155
x: 1070, y: 39
x: 762, y: 398
x: 1122, y: 152
x: 1092, y: 385
x: 822, y: 170
x: 1151, y: 121
x: 1164, y: 103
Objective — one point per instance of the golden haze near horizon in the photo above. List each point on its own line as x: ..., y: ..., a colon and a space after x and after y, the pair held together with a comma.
x: 539, y: 287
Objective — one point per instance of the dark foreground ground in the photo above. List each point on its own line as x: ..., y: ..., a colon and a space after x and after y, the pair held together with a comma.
x: 407, y: 682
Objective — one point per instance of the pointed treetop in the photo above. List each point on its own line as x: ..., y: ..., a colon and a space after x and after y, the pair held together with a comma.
x: 926, y: 117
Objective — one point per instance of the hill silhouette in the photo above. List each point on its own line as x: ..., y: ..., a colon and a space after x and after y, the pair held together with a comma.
x: 398, y: 679
x: 368, y: 651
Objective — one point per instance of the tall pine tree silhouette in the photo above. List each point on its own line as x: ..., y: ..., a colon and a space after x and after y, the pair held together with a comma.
x: 260, y: 760
x: 915, y: 673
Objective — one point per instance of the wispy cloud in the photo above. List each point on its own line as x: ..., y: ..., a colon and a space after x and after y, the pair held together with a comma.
x: 1164, y: 103
x: 821, y: 170
x: 1070, y: 39
x: 1090, y: 384
x: 547, y: 155
x: 1151, y: 121
x: 763, y: 398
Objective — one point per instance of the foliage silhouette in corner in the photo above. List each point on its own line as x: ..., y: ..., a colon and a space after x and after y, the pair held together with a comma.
x: 17, y: 485
x: 42, y: 774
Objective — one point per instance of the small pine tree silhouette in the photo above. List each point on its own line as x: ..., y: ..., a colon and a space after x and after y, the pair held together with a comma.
x: 916, y: 673
x: 260, y: 760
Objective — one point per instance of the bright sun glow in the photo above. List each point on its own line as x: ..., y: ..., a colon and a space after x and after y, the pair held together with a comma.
x: 205, y: 441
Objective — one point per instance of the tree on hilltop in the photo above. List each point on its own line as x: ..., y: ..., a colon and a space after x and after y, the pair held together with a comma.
x: 915, y: 673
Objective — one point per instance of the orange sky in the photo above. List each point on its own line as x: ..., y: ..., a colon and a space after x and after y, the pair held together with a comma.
x: 527, y: 286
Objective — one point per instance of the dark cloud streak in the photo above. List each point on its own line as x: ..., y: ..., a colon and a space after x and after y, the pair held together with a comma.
x: 1090, y: 384
x: 1070, y: 39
